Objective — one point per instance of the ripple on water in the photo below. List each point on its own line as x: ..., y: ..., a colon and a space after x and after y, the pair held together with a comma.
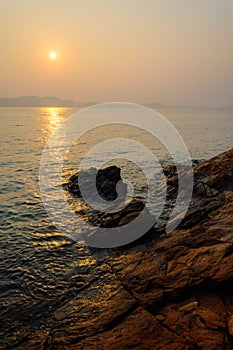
x: 41, y: 268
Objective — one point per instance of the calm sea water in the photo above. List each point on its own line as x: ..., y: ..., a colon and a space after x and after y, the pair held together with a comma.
x: 38, y: 262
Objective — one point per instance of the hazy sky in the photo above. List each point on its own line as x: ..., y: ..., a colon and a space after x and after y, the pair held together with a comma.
x: 170, y: 51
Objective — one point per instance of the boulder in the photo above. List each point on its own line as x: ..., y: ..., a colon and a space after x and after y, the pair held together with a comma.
x: 106, y: 182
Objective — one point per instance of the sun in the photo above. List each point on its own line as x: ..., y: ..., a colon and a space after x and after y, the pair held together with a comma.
x: 53, y: 55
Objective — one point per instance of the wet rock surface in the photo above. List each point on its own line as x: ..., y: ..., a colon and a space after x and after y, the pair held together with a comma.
x: 166, y: 291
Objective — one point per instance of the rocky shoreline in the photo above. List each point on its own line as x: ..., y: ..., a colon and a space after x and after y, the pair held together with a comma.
x: 166, y: 291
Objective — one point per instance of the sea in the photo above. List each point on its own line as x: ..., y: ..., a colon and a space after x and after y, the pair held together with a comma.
x: 38, y: 262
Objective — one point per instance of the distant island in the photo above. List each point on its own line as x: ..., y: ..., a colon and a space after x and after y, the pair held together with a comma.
x: 36, y: 101
x: 50, y: 101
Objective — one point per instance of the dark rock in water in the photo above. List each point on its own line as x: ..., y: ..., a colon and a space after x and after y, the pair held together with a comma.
x: 134, y: 213
x: 106, y: 181
x: 111, y: 173
x: 109, y: 186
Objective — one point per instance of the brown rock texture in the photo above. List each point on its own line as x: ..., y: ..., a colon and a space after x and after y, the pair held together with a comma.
x: 168, y: 291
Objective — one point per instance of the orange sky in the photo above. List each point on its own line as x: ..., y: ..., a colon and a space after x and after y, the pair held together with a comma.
x: 170, y: 51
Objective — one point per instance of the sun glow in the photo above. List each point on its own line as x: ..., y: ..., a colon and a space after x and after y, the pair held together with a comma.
x: 53, y: 55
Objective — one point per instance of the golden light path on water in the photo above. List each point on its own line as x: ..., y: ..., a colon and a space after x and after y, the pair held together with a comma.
x: 55, y: 116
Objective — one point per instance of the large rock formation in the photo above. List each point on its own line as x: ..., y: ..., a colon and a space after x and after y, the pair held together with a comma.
x: 109, y: 186
x: 171, y: 291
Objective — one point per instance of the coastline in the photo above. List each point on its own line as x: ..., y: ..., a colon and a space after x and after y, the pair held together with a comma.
x: 170, y: 292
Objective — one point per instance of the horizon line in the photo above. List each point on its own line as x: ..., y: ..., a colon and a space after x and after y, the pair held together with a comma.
x: 71, y: 103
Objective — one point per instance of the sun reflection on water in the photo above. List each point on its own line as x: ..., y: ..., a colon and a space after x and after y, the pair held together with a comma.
x: 54, y: 116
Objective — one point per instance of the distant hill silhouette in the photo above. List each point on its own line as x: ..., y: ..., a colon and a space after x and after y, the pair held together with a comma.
x: 35, y: 101
x: 156, y: 105
x: 50, y: 101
